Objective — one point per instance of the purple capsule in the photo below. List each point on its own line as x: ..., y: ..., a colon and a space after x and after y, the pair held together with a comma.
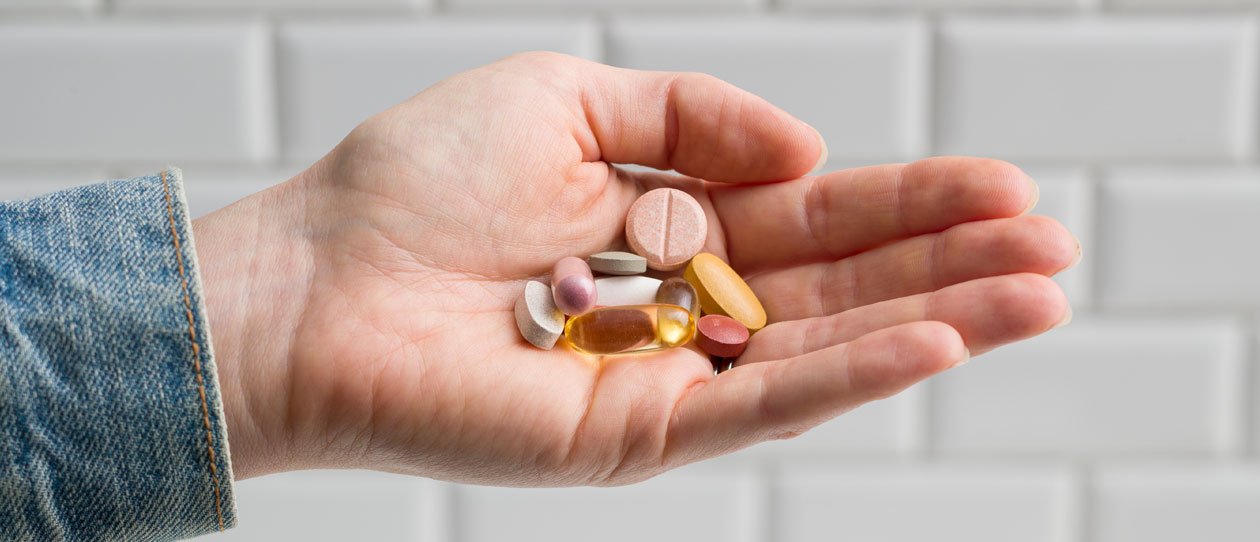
x: 573, y: 286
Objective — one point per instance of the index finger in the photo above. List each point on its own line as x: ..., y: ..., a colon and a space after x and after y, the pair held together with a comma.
x: 829, y: 217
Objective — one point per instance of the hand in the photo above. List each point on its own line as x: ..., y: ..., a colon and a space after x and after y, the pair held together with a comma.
x: 361, y: 312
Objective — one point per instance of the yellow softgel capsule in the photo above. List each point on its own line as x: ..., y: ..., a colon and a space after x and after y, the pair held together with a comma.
x: 630, y: 328
x: 722, y: 291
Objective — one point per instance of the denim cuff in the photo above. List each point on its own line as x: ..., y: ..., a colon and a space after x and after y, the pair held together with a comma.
x: 111, y: 422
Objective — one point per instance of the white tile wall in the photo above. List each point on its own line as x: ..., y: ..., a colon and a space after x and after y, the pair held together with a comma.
x: 1182, y: 4
x: 692, y: 503
x: 28, y: 182
x: 669, y: 6
x: 335, y: 75
x: 857, y: 81
x: 1168, y: 503
x: 1137, y: 117
x: 48, y: 5
x: 910, y: 503
x: 935, y: 4
x: 118, y: 91
x: 130, y: 6
x: 1099, y: 387
x: 1179, y: 237
x: 889, y: 427
x: 1090, y: 89
x: 330, y: 506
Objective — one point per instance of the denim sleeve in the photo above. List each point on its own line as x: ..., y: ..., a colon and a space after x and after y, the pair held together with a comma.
x: 111, y: 423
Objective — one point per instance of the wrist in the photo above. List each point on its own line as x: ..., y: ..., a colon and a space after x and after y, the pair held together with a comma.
x: 255, y: 259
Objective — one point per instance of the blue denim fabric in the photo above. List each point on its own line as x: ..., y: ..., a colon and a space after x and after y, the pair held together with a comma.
x: 111, y: 423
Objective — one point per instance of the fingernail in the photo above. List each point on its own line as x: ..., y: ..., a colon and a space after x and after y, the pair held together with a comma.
x: 1067, y: 317
x: 822, y: 155
x: 966, y: 357
x: 1034, y: 196
x: 1077, y: 259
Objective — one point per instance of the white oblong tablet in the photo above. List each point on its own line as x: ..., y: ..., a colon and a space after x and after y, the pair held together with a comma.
x: 537, y: 316
x: 631, y: 290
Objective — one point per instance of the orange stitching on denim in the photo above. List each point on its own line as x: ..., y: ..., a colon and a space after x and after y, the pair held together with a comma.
x: 192, y: 333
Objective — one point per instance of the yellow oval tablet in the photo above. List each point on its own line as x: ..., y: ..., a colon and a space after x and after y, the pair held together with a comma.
x: 722, y: 291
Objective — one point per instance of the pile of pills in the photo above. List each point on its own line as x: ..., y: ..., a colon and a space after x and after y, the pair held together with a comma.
x: 625, y: 311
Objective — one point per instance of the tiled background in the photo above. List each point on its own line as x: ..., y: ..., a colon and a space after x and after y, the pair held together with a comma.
x: 1138, y: 422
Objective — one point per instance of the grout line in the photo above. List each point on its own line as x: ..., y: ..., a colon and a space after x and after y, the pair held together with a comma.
x: 1236, y: 406
x: 454, y: 510
x: 1096, y: 180
x: 1091, y: 6
x: 599, y: 37
x: 266, y: 93
x: 932, y: 85
x: 435, y: 522
x: 1078, y: 515
x: 1249, y: 119
x: 914, y: 416
x: 768, y: 508
x: 922, y: 83
x: 1089, y: 239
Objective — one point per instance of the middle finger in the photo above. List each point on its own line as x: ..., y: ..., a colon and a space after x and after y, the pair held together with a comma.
x: 925, y: 263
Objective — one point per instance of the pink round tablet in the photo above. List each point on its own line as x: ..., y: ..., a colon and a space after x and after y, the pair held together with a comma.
x: 573, y: 286
x: 667, y: 227
x: 721, y: 336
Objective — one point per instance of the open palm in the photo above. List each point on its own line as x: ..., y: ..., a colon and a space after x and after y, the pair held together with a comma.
x: 422, y: 226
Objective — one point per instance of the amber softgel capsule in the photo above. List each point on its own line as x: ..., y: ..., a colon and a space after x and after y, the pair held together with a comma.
x: 630, y: 329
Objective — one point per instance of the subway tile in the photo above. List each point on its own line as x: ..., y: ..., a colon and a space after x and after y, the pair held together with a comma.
x: 1178, y: 238
x: 859, y: 82
x: 56, y: 6
x: 1105, y: 386
x: 568, y: 6
x: 1167, y: 503
x: 331, y: 506
x: 1096, y: 88
x: 134, y: 91
x: 709, y: 501
x: 909, y: 503
x: 28, y: 182
x: 1180, y: 5
x: 335, y: 75
x: 303, y: 6
x: 933, y: 4
x: 892, y: 426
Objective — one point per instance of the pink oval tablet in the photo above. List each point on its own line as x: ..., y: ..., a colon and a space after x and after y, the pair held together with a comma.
x: 721, y: 336
x: 667, y: 227
x: 573, y: 286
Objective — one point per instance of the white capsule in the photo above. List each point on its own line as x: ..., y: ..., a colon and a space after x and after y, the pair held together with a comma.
x: 631, y: 290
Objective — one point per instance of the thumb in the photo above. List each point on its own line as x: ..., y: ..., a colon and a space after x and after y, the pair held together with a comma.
x: 696, y: 124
